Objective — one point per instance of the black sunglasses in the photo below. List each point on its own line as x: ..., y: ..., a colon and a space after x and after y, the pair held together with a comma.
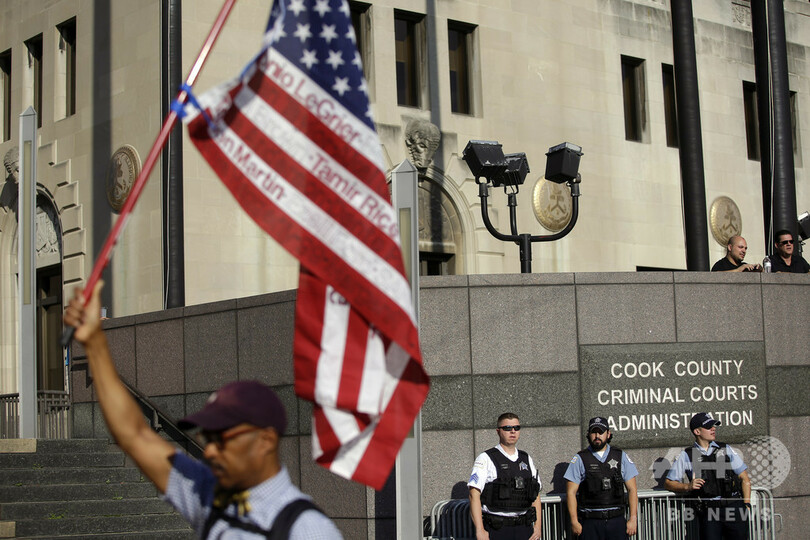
x: 509, y: 428
x: 219, y: 438
x: 785, y: 242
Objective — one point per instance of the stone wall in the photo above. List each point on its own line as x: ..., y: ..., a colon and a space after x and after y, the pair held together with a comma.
x: 513, y: 342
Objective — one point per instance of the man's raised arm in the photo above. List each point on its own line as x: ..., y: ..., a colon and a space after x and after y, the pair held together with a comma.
x: 123, y: 416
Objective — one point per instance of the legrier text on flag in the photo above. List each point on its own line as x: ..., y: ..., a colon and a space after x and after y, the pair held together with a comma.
x: 294, y: 141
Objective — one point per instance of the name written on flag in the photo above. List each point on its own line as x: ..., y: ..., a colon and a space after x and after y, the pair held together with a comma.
x: 294, y: 142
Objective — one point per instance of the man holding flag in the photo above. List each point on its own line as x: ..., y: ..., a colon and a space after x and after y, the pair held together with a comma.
x: 293, y: 140
x: 242, y: 490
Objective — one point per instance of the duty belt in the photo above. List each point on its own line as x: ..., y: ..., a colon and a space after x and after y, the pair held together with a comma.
x: 601, y: 514
x: 496, y: 522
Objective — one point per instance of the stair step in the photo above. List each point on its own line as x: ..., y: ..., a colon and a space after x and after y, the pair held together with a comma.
x: 73, y: 492
x: 99, y: 524
x: 43, y: 461
x: 177, y: 534
x: 80, y: 488
x: 67, y: 446
x: 78, y: 475
x: 63, y: 509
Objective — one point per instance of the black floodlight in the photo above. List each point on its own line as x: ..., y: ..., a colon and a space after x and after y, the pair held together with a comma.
x: 484, y: 158
x: 517, y: 167
x: 562, y: 163
x: 804, y: 226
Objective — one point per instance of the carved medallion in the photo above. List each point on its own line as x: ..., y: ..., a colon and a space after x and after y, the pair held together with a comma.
x: 741, y: 11
x: 125, y: 166
x: 725, y: 220
x: 552, y: 204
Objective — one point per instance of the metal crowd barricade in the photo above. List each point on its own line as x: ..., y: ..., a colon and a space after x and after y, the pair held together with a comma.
x: 662, y: 515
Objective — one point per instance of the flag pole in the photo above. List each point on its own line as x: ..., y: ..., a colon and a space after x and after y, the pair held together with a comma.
x: 168, y: 124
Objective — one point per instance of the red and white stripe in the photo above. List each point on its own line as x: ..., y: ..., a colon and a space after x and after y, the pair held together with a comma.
x: 310, y: 174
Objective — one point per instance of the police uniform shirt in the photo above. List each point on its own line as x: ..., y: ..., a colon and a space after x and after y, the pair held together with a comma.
x: 191, y: 492
x: 484, y: 471
x: 683, y: 465
x: 576, y: 469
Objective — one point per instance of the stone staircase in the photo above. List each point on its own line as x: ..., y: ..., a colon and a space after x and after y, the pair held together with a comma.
x: 79, y: 488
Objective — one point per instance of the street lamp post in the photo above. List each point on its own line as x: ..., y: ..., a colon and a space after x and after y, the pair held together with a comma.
x: 487, y: 160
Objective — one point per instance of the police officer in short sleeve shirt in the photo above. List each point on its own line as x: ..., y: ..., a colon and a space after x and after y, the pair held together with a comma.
x: 597, y: 477
x: 504, y: 489
x: 715, y: 481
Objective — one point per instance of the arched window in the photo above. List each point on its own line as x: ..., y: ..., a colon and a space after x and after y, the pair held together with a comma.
x: 441, y: 238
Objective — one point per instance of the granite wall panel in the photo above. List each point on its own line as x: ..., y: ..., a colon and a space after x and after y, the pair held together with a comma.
x: 210, y: 350
x: 609, y: 313
x: 449, y: 404
x: 539, y: 399
x: 81, y: 382
x: 787, y: 391
x: 122, y: 348
x: 793, y: 462
x: 265, y: 343
x: 159, y: 354
x: 522, y: 329
x: 719, y: 312
x: 446, y: 472
x: 786, y: 310
x: 792, y: 515
x: 445, y: 327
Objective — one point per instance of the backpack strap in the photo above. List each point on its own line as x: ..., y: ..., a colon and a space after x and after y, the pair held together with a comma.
x: 284, y: 521
x: 287, y: 517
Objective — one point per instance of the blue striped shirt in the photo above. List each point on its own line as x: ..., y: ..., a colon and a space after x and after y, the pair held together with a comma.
x: 191, y: 492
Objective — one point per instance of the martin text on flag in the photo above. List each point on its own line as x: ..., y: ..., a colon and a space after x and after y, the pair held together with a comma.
x: 294, y: 142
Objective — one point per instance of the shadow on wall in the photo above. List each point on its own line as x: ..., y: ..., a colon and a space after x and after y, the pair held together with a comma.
x: 460, y: 491
x: 558, y: 482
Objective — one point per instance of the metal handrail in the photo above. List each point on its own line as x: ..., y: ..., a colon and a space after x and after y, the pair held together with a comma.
x: 54, y: 420
x: 162, y: 422
x: 53, y: 415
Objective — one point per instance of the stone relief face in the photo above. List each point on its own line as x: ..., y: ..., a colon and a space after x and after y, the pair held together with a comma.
x: 421, y: 139
x: 11, y: 162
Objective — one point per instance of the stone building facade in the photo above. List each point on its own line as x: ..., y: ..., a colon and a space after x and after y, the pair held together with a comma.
x: 528, y: 73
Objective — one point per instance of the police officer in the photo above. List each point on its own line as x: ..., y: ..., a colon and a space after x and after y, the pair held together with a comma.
x: 597, y: 477
x: 504, y: 488
x: 716, y: 478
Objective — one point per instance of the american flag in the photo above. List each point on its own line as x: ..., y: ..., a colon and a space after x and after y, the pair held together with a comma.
x: 293, y: 139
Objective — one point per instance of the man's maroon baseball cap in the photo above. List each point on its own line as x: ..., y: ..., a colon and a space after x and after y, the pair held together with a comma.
x: 240, y: 402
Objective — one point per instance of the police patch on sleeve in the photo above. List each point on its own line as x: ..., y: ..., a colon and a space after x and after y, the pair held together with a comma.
x: 473, y: 479
x: 574, y: 459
